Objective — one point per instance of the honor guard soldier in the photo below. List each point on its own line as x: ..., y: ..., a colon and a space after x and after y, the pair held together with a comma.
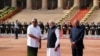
x: 25, y: 28
x: 42, y: 27
x: 3, y: 27
x: 0, y: 27
x: 87, y: 28
x: 64, y: 28
x: 69, y: 26
x: 16, y: 29
x: 46, y: 27
x: 92, y: 28
x: 98, y: 29
x: 58, y: 26
x: 12, y: 27
x: 6, y: 24
x: 20, y: 27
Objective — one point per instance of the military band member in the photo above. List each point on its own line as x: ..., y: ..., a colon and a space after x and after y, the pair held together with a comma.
x: 8, y: 27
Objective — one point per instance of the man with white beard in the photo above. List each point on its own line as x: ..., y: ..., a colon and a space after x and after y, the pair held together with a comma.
x: 53, y: 41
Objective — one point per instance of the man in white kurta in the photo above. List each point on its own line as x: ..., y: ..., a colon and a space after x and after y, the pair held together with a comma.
x: 53, y: 43
x: 33, y: 38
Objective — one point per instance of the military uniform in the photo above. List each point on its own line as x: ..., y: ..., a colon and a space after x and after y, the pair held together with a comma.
x: 92, y: 29
x: 64, y: 28
x: 20, y: 28
x: 0, y: 28
x: 58, y: 26
x: 42, y: 27
x: 98, y: 29
x: 87, y: 28
x: 3, y: 30
x: 46, y: 27
x: 69, y: 27
x: 12, y: 28
x: 24, y: 28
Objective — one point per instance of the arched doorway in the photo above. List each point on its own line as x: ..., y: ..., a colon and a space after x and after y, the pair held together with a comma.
x: 99, y: 4
x: 67, y: 4
x: 1, y: 4
x: 4, y: 3
x: 86, y: 4
x: 52, y: 4
x: 36, y: 4
x: 21, y: 4
x: 7, y: 3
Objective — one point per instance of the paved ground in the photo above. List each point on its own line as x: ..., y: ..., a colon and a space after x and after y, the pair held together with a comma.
x: 12, y: 47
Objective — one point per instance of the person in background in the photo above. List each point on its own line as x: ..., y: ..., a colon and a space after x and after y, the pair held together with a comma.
x: 98, y: 29
x: 16, y: 29
x: 64, y: 28
x: 12, y: 27
x: 87, y: 28
x: 92, y: 29
x: 41, y: 27
x: 69, y: 26
x: 46, y: 27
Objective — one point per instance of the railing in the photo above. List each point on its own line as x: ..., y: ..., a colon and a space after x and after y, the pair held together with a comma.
x: 67, y: 15
x: 4, y: 9
x: 89, y: 14
x: 8, y: 13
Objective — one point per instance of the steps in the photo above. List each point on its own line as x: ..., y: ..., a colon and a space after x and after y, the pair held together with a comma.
x: 6, y: 14
x: 80, y: 15
x: 41, y: 15
x: 95, y: 17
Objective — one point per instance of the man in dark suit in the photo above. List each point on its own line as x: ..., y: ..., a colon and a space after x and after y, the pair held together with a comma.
x: 76, y: 37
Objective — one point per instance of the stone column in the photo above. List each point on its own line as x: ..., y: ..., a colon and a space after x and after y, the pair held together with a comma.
x: 13, y: 3
x: 60, y: 4
x: 44, y: 4
x: 76, y: 3
x: 96, y: 3
x: 29, y: 5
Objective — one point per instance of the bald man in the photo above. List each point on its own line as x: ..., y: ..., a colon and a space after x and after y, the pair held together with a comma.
x: 76, y: 38
x: 53, y: 45
x: 33, y: 38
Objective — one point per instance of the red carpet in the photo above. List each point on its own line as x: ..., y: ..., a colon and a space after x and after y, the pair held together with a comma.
x: 80, y: 15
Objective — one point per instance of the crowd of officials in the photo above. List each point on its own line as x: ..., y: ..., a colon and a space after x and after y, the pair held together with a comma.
x: 21, y: 28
